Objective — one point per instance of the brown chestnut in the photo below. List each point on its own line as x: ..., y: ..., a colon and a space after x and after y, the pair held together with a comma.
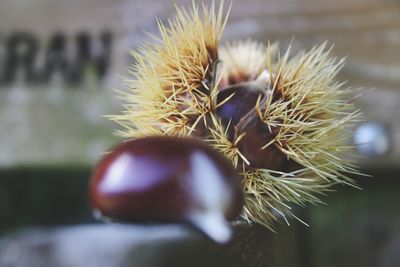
x: 168, y: 179
x: 237, y: 110
x: 238, y: 101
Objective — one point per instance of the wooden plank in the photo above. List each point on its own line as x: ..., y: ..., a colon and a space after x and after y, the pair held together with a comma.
x: 56, y: 125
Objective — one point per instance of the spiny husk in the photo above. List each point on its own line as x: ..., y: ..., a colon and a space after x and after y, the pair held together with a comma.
x: 314, y: 119
x: 177, y: 78
x: 242, y: 61
x: 171, y: 92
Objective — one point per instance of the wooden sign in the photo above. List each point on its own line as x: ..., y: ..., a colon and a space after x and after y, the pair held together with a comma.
x: 60, y: 60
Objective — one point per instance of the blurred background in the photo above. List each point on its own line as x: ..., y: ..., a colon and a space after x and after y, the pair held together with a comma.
x: 60, y: 61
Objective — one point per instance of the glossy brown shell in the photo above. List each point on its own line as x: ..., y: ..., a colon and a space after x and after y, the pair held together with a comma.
x: 151, y: 179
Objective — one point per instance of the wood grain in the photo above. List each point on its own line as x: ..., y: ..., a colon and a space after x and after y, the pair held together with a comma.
x: 367, y: 32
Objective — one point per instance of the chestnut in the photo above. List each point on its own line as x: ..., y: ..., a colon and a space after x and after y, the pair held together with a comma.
x: 168, y: 179
x: 237, y: 111
x: 238, y: 101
